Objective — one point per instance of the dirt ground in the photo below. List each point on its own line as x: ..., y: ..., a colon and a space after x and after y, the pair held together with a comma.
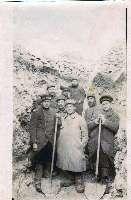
x: 24, y: 190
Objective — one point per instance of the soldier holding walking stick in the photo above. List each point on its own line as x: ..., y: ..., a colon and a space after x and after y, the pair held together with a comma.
x: 109, y: 126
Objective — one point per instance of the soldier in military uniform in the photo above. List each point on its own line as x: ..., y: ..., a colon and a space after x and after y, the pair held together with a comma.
x: 78, y: 94
x: 61, y: 112
x: 65, y: 92
x: 51, y: 90
x: 91, y: 99
x: 88, y: 115
x: 42, y: 127
x: 70, y: 145
x: 110, y: 126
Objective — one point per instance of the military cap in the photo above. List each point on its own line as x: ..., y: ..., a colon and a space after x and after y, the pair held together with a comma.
x: 64, y: 88
x: 74, y: 78
x: 106, y: 98
x: 49, y: 86
x: 90, y: 95
x: 70, y: 101
x: 61, y: 97
x: 45, y: 97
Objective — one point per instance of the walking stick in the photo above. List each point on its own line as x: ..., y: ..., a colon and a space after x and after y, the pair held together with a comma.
x: 98, y: 156
x: 54, y: 148
x: 98, y: 150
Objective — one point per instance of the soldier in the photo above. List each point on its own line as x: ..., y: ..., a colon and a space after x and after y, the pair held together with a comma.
x: 88, y: 115
x: 61, y: 112
x: 42, y: 127
x: 65, y: 92
x: 91, y: 100
x: 51, y: 91
x: 110, y: 126
x: 78, y: 94
x: 36, y: 104
x: 70, y: 145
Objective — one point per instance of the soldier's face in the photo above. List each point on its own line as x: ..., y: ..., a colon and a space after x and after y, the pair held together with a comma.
x: 70, y: 109
x: 51, y: 90
x: 106, y: 105
x: 91, y: 101
x: 61, y: 104
x: 74, y: 82
x: 46, y: 103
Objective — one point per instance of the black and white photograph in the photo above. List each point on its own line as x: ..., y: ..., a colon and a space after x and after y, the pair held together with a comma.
x: 69, y: 102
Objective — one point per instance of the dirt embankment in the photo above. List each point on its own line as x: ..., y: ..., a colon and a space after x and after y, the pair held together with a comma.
x: 31, y: 76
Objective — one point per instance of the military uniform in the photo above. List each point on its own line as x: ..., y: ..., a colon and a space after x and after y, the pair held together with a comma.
x: 109, y: 128
x: 60, y: 113
x: 78, y: 94
x: 53, y: 103
x: 42, y: 126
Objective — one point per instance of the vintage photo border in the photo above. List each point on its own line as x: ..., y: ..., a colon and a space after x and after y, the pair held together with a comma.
x: 6, y: 100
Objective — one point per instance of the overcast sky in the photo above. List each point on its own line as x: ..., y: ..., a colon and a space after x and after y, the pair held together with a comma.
x: 80, y: 31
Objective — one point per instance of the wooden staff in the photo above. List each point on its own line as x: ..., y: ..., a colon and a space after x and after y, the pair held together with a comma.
x: 54, y: 148
x: 98, y: 149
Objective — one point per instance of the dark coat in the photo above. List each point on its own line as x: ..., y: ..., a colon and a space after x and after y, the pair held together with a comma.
x: 78, y: 94
x: 53, y: 103
x: 42, y: 127
x: 108, y: 130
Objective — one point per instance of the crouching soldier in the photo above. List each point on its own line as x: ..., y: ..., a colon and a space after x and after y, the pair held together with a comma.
x: 109, y: 127
x: 42, y: 127
x: 70, y: 145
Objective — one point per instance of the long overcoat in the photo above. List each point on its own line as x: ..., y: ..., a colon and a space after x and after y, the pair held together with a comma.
x: 42, y: 127
x: 71, y: 142
x: 108, y: 130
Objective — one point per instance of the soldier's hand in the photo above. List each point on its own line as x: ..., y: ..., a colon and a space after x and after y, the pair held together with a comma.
x: 102, y: 117
x: 97, y: 121
x: 58, y: 115
x: 35, y: 147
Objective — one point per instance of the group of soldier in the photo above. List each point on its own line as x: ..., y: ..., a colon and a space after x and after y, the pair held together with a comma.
x: 76, y: 137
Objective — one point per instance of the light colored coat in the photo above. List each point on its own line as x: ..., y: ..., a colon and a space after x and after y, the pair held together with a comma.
x: 71, y: 142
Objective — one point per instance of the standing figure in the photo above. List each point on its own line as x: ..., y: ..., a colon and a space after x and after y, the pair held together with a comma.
x: 89, y: 114
x: 91, y: 99
x: 42, y: 126
x: 110, y: 126
x: 61, y: 112
x: 71, y: 143
x: 51, y: 90
x: 78, y: 94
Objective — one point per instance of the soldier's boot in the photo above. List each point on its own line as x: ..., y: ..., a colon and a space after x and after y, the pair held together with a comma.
x: 79, y: 183
x: 106, y: 180
x: 68, y: 179
x: 47, y: 171
x: 38, y: 176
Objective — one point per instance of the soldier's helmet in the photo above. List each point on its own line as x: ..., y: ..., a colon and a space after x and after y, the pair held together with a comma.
x: 106, y: 98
